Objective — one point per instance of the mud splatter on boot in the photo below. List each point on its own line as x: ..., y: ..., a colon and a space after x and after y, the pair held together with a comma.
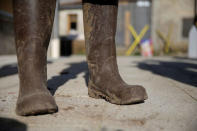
x: 100, y: 18
x: 33, y: 21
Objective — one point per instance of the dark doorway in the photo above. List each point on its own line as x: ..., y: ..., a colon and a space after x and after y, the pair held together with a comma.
x: 65, y: 46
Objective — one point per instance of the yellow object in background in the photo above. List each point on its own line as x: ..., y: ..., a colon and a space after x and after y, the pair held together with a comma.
x: 137, y: 38
x: 166, y: 39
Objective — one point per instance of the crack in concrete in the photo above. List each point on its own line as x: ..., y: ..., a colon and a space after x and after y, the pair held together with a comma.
x: 176, y: 86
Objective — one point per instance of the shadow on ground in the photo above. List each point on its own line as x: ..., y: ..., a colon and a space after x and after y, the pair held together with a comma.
x: 56, y: 81
x: 8, y: 70
x: 67, y: 74
x: 7, y: 124
x: 180, y: 71
x: 11, y: 69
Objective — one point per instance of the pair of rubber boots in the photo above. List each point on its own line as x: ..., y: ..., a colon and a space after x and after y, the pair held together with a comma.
x: 33, y: 21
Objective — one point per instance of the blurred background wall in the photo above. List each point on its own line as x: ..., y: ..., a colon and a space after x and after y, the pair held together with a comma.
x: 177, y: 15
x: 164, y: 16
x: 6, y: 28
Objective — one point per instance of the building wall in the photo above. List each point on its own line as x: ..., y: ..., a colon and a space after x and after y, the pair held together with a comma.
x: 63, y: 22
x: 170, y: 14
x: 6, y: 5
x: 7, y: 43
x: 54, y: 45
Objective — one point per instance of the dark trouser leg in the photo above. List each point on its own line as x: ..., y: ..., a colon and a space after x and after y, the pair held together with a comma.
x: 100, y: 18
x: 33, y: 21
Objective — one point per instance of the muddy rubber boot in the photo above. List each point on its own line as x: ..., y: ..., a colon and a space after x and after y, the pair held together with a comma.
x: 100, y: 18
x: 33, y: 21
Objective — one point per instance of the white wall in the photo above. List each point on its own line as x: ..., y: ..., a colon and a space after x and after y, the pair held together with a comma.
x: 63, y: 19
x: 54, y: 45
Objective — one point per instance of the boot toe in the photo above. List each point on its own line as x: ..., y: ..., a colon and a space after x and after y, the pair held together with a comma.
x: 135, y: 94
x: 36, y: 104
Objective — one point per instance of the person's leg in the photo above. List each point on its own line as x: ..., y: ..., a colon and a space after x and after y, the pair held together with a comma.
x: 33, y: 20
x: 100, y: 18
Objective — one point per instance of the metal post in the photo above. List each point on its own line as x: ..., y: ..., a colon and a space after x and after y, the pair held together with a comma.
x: 55, y: 42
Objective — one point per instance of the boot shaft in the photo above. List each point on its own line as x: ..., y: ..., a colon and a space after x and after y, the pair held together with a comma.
x: 100, y: 18
x: 33, y: 20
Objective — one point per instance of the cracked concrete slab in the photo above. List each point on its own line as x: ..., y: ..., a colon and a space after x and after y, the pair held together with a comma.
x: 171, y: 84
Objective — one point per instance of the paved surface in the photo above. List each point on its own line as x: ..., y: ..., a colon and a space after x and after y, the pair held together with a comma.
x: 171, y: 84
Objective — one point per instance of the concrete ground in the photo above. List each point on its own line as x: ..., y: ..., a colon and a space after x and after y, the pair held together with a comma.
x: 171, y: 84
